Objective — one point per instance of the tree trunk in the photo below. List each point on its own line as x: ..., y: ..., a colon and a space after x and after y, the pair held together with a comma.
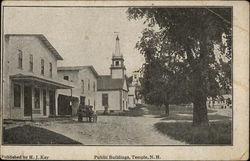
x: 200, y: 117
x: 167, y: 109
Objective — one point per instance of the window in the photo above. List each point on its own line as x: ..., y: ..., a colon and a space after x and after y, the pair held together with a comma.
x: 93, y: 86
x: 117, y: 63
x: 66, y: 77
x: 17, y: 95
x: 82, y: 86
x: 31, y: 62
x: 88, y: 101
x: 82, y: 100
x: 105, y: 99
x: 42, y: 66
x: 88, y: 84
x: 50, y: 69
x: 37, y: 98
x: 20, y: 59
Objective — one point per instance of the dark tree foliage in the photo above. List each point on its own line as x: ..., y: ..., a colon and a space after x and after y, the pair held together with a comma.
x: 188, y: 55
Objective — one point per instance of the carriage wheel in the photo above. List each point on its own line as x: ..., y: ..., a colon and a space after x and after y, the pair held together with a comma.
x: 79, y: 119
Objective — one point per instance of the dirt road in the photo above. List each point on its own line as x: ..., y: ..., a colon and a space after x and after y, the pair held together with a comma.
x: 112, y: 130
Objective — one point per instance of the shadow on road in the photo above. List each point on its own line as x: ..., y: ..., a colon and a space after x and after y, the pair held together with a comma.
x: 34, y: 135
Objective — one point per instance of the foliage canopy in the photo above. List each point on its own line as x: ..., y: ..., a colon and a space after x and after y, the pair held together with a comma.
x: 188, y: 55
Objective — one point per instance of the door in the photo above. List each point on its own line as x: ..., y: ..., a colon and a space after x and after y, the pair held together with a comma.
x: 64, y: 107
x: 44, y: 103
x: 27, y: 101
x: 52, y: 108
x: 105, y: 99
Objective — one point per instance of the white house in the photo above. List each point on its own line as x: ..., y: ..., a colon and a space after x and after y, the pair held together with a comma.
x: 30, y: 79
x: 134, y: 86
x: 84, y: 79
x: 112, y: 90
x: 225, y: 101
x: 131, y: 97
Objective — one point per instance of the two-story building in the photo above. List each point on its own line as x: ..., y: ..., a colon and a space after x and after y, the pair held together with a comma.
x: 30, y: 79
x: 84, y: 79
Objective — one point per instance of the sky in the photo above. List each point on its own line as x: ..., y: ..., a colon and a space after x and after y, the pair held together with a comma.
x: 82, y: 36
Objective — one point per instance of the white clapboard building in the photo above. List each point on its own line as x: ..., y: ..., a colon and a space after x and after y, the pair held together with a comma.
x: 30, y: 81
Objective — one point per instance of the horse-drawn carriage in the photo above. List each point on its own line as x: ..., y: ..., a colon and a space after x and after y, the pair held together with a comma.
x: 88, y: 112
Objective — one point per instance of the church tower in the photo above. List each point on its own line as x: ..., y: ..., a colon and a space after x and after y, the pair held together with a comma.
x: 117, y: 68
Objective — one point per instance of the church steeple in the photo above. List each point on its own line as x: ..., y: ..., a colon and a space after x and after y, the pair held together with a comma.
x: 117, y: 68
x: 117, y: 47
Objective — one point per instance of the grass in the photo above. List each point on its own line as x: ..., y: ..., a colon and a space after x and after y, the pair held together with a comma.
x: 175, y: 116
x: 34, y: 135
x: 177, y: 110
x: 133, y: 112
x: 159, y: 110
x: 216, y: 133
x: 137, y: 111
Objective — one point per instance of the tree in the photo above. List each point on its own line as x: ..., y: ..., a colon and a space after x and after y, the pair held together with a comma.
x: 162, y: 77
x: 191, y: 45
x: 154, y: 89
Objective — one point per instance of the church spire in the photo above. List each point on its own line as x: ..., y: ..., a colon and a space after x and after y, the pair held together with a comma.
x: 117, y: 47
x: 117, y: 68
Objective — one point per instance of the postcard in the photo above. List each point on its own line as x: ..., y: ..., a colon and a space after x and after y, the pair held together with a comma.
x: 125, y: 80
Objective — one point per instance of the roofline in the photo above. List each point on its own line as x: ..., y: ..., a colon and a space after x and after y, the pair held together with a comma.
x: 60, y: 68
x: 66, y: 68
x: 117, y: 58
x: 114, y: 89
x: 44, y: 40
x: 112, y: 67
x: 104, y: 75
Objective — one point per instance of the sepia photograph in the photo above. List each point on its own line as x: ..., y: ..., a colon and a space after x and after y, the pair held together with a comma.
x: 117, y: 75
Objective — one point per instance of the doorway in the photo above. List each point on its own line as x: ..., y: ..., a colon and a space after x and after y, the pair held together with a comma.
x: 64, y: 107
x: 27, y: 101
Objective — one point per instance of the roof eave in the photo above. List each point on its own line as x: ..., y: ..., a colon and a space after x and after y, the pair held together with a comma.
x: 44, y: 40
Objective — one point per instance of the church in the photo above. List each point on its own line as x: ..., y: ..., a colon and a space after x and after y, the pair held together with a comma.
x: 112, y: 90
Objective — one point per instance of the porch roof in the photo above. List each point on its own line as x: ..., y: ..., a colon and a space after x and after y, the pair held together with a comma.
x: 39, y: 80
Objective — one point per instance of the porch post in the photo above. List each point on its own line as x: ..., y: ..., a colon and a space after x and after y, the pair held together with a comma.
x: 10, y: 98
x: 56, y: 102
x: 22, y: 98
x: 33, y: 101
x: 47, y: 102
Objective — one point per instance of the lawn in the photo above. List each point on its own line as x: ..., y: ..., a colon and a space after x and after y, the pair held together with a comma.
x: 34, y: 135
x: 160, y: 110
x: 133, y: 112
x: 217, y: 132
x: 177, y: 116
x: 137, y: 111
